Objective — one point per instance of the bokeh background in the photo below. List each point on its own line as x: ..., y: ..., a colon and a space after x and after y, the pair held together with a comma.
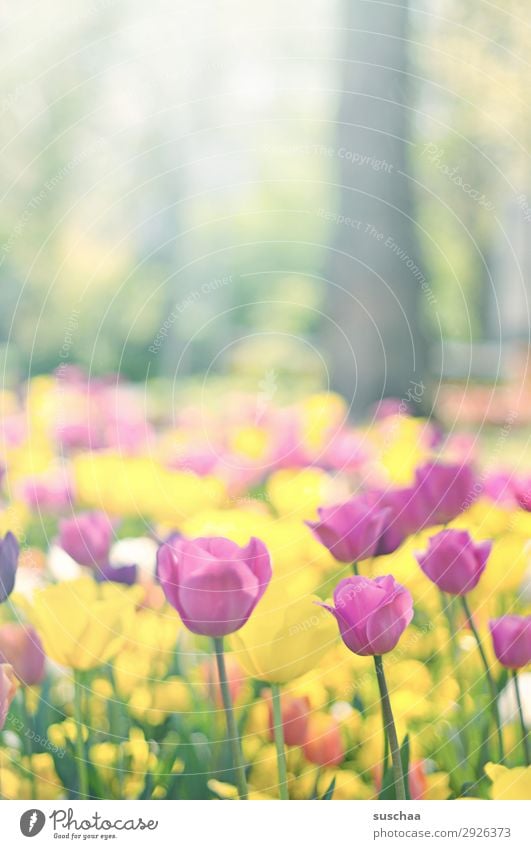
x: 334, y: 194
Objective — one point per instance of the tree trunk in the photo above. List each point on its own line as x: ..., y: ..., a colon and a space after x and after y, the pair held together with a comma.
x: 374, y: 270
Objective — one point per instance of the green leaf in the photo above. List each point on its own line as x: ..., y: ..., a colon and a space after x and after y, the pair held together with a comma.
x: 330, y: 791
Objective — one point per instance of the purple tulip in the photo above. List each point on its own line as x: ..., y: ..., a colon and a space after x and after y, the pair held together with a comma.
x: 124, y: 574
x: 372, y: 614
x: 454, y: 561
x: 511, y: 638
x: 213, y: 583
x: 87, y: 538
x: 9, y: 551
x: 351, y: 531
x: 404, y: 516
x: 446, y: 490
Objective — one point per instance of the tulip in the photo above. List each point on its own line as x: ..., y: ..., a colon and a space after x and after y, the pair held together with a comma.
x: 8, y: 688
x: 215, y: 585
x: 454, y: 562
x: 285, y: 639
x: 87, y: 538
x: 236, y: 679
x: 372, y: 615
x: 118, y: 574
x: 350, y: 531
x: 82, y: 624
x: 446, y: 490
x: 9, y: 551
x: 522, y: 493
x: 295, y: 717
x: 404, y: 516
x: 288, y: 724
x: 508, y: 784
x: 324, y: 745
x: 21, y: 647
x: 212, y: 583
x: 511, y: 638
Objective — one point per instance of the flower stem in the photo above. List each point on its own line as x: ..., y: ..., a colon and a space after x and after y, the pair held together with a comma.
x: 448, y: 609
x: 355, y: 568
x: 490, y: 679
x: 278, y: 730
x: 390, y: 729
x: 525, y: 740
x: 232, y: 731
x: 27, y: 742
x: 80, y: 744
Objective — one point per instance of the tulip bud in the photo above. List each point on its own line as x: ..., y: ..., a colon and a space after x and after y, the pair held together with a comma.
x: 371, y: 614
x: 21, y: 647
x: 350, y: 531
x: 511, y: 638
x: 9, y: 551
x: 323, y: 745
x: 87, y: 538
x: 8, y: 688
x: 213, y: 583
x: 454, y: 561
x: 295, y: 717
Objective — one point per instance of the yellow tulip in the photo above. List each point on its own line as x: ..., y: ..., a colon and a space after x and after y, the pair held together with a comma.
x: 82, y: 624
x: 155, y: 703
x: 509, y: 783
x: 284, y: 639
x: 348, y: 785
x: 437, y: 786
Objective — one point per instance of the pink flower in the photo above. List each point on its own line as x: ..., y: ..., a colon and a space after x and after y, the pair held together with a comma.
x: 8, y: 688
x: 511, y: 638
x: 21, y: 647
x: 446, y: 489
x: 404, y: 516
x: 522, y: 491
x: 213, y: 583
x: 350, y: 531
x: 454, y: 561
x: 87, y: 538
x: 371, y: 614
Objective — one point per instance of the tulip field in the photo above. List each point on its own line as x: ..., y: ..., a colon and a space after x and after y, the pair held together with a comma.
x: 212, y: 597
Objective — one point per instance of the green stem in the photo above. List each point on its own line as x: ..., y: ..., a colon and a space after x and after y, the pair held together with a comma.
x: 80, y: 744
x: 490, y: 679
x: 278, y: 730
x: 232, y: 731
x: 525, y: 739
x: 355, y: 568
x: 390, y: 729
x: 27, y: 742
x: 386, y: 747
x: 448, y: 611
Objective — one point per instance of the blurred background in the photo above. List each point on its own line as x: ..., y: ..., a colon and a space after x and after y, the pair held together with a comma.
x: 329, y: 195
